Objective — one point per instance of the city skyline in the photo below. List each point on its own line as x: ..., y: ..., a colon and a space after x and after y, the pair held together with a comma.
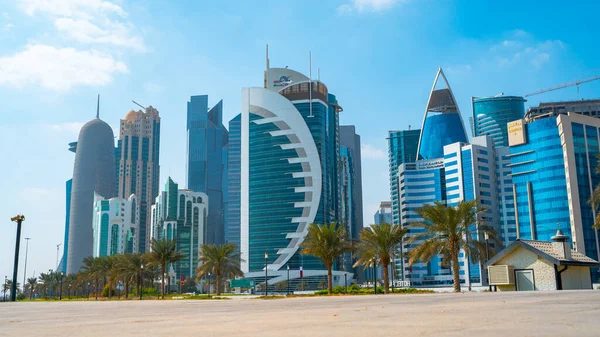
x: 54, y: 117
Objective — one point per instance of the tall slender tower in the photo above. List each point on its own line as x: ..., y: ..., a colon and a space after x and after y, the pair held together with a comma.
x: 207, y: 161
x: 139, y: 172
x: 93, y: 171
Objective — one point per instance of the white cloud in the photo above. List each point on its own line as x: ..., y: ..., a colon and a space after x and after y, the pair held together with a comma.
x: 70, y: 127
x: 367, y: 6
x: 88, y: 21
x: 71, y: 8
x: 370, y: 152
x: 522, y: 48
x: 9, y: 26
x: 58, y: 68
x: 111, y: 32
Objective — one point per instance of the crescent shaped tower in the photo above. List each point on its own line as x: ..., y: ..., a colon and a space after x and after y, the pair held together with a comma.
x: 94, y: 171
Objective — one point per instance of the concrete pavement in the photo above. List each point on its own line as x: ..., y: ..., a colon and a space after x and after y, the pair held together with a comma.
x: 561, y: 313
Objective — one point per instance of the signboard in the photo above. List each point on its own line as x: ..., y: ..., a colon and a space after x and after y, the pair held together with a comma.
x: 430, y: 164
x: 516, y: 133
x: 182, y: 278
x: 182, y: 283
x: 402, y: 284
x: 241, y: 283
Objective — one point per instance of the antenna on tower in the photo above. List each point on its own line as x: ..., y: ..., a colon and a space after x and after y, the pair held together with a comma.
x: 310, y: 114
x: 138, y: 104
x: 98, y: 108
x: 267, y: 56
x: 319, y: 74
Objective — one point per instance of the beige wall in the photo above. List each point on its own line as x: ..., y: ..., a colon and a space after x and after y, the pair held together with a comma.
x: 543, y: 271
x: 576, y: 278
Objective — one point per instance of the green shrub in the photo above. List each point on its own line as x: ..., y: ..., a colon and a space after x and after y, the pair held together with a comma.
x: 20, y: 297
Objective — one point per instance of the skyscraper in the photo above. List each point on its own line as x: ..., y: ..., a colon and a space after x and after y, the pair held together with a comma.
x: 351, y: 142
x: 139, y: 171
x: 442, y: 123
x: 491, y: 114
x: 181, y: 215
x: 232, y: 228
x: 93, y: 172
x: 287, y: 173
x: 402, y: 148
x: 383, y: 213
x: 115, y: 225
x: 207, y: 140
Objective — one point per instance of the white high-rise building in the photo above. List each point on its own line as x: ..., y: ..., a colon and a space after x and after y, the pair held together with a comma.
x: 115, y: 226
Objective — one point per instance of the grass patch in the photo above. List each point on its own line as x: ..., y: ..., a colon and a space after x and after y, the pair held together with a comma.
x: 356, y: 290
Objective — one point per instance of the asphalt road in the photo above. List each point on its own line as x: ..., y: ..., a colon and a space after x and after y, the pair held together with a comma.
x: 563, y: 313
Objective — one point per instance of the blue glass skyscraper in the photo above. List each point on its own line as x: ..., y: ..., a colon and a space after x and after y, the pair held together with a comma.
x: 442, y: 123
x: 491, y: 114
x: 206, y: 162
x: 402, y: 148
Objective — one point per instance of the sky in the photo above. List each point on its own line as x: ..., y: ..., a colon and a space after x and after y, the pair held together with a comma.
x: 379, y: 57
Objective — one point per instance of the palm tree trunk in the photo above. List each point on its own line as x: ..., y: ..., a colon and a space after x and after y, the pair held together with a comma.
x: 455, y: 269
x: 218, y: 281
x: 126, y: 289
x: 386, y: 280
x: 169, y: 284
x: 329, y: 280
x: 96, y: 289
x: 162, y: 280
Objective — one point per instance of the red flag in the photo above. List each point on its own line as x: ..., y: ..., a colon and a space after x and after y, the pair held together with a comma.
x: 300, y: 271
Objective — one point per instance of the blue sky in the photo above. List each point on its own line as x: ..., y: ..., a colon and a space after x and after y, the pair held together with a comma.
x: 378, y: 56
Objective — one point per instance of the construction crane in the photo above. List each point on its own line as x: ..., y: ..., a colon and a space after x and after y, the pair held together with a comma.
x: 565, y: 85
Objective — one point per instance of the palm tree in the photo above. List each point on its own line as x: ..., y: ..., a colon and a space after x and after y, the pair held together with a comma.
x: 326, y: 242
x: 8, y: 286
x: 44, y: 282
x: 379, y: 242
x: 92, y: 270
x: 109, y: 271
x: 446, y: 230
x: 162, y: 253
x: 31, y: 282
x: 221, y: 260
x: 130, y: 268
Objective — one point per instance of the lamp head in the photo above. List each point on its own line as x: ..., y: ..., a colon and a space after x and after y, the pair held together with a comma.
x: 18, y: 218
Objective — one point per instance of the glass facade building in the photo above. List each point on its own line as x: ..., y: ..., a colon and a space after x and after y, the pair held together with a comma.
x: 442, y: 123
x: 232, y: 226
x: 181, y: 215
x: 206, y: 164
x: 289, y: 175
x: 402, y: 148
x: 383, y: 213
x: 491, y: 114
x: 350, y: 154
x: 553, y: 171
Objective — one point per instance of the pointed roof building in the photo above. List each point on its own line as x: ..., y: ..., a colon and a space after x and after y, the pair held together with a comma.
x: 442, y: 123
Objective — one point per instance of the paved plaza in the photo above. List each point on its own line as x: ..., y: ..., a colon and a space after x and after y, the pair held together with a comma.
x: 559, y: 313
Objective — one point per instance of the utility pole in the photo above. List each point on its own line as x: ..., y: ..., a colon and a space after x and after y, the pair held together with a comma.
x: 57, y: 248
x: 25, y: 271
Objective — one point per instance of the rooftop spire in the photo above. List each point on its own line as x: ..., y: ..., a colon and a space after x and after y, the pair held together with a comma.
x: 98, y: 108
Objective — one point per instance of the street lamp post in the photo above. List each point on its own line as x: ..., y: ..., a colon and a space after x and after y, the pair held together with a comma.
x: 13, y: 290
x: 487, y: 257
x: 346, y: 282
x: 87, y: 291
x: 208, y: 284
x: 25, y: 269
x: 5, y: 281
x: 266, y: 274
x: 288, y: 282
x: 141, y: 280
x: 69, y: 291
x: 60, y: 291
x: 393, y: 270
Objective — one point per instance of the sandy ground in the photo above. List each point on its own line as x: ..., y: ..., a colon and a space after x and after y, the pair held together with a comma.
x: 564, y: 313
